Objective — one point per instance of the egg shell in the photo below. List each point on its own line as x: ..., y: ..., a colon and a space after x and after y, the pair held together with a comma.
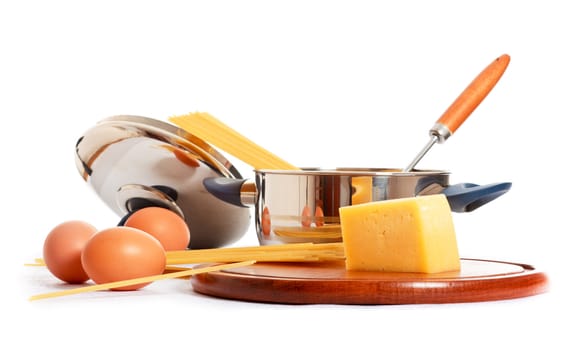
x: 122, y: 253
x: 62, y: 250
x: 165, y: 225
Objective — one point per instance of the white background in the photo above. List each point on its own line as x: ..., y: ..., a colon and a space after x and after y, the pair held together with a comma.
x: 320, y: 83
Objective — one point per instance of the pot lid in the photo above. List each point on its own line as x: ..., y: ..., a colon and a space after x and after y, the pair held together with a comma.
x: 133, y: 162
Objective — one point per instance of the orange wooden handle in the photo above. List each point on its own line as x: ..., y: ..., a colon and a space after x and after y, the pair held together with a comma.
x: 472, y: 96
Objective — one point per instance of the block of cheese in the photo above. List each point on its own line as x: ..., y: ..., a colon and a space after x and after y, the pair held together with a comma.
x: 400, y: 235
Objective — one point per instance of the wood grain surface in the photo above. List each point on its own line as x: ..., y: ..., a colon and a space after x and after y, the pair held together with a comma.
x: 331, y: 283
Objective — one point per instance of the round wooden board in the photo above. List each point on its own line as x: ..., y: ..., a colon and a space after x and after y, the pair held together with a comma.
x: 330, y: 283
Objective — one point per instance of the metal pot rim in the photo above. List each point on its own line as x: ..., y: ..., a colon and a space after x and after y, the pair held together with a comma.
x: 348, y: 171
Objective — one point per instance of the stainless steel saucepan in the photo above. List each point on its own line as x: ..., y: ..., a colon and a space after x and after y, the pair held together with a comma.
x: 302, y: 206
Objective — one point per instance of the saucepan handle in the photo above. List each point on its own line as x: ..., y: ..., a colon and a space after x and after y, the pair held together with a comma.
x: 227, y: 189
x: 466, y: 197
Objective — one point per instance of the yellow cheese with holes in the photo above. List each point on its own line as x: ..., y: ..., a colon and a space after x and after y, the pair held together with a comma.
x: 400, y: 235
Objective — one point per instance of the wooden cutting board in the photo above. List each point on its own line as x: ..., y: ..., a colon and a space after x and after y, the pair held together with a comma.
x: 330, y: 283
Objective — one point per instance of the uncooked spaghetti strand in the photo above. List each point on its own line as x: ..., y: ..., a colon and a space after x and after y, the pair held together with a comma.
x: 148, y: 279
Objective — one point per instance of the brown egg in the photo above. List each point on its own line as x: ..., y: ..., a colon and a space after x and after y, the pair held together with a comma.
x: 62, y: 250
x: 163, y: 224
x: 122, y: 253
